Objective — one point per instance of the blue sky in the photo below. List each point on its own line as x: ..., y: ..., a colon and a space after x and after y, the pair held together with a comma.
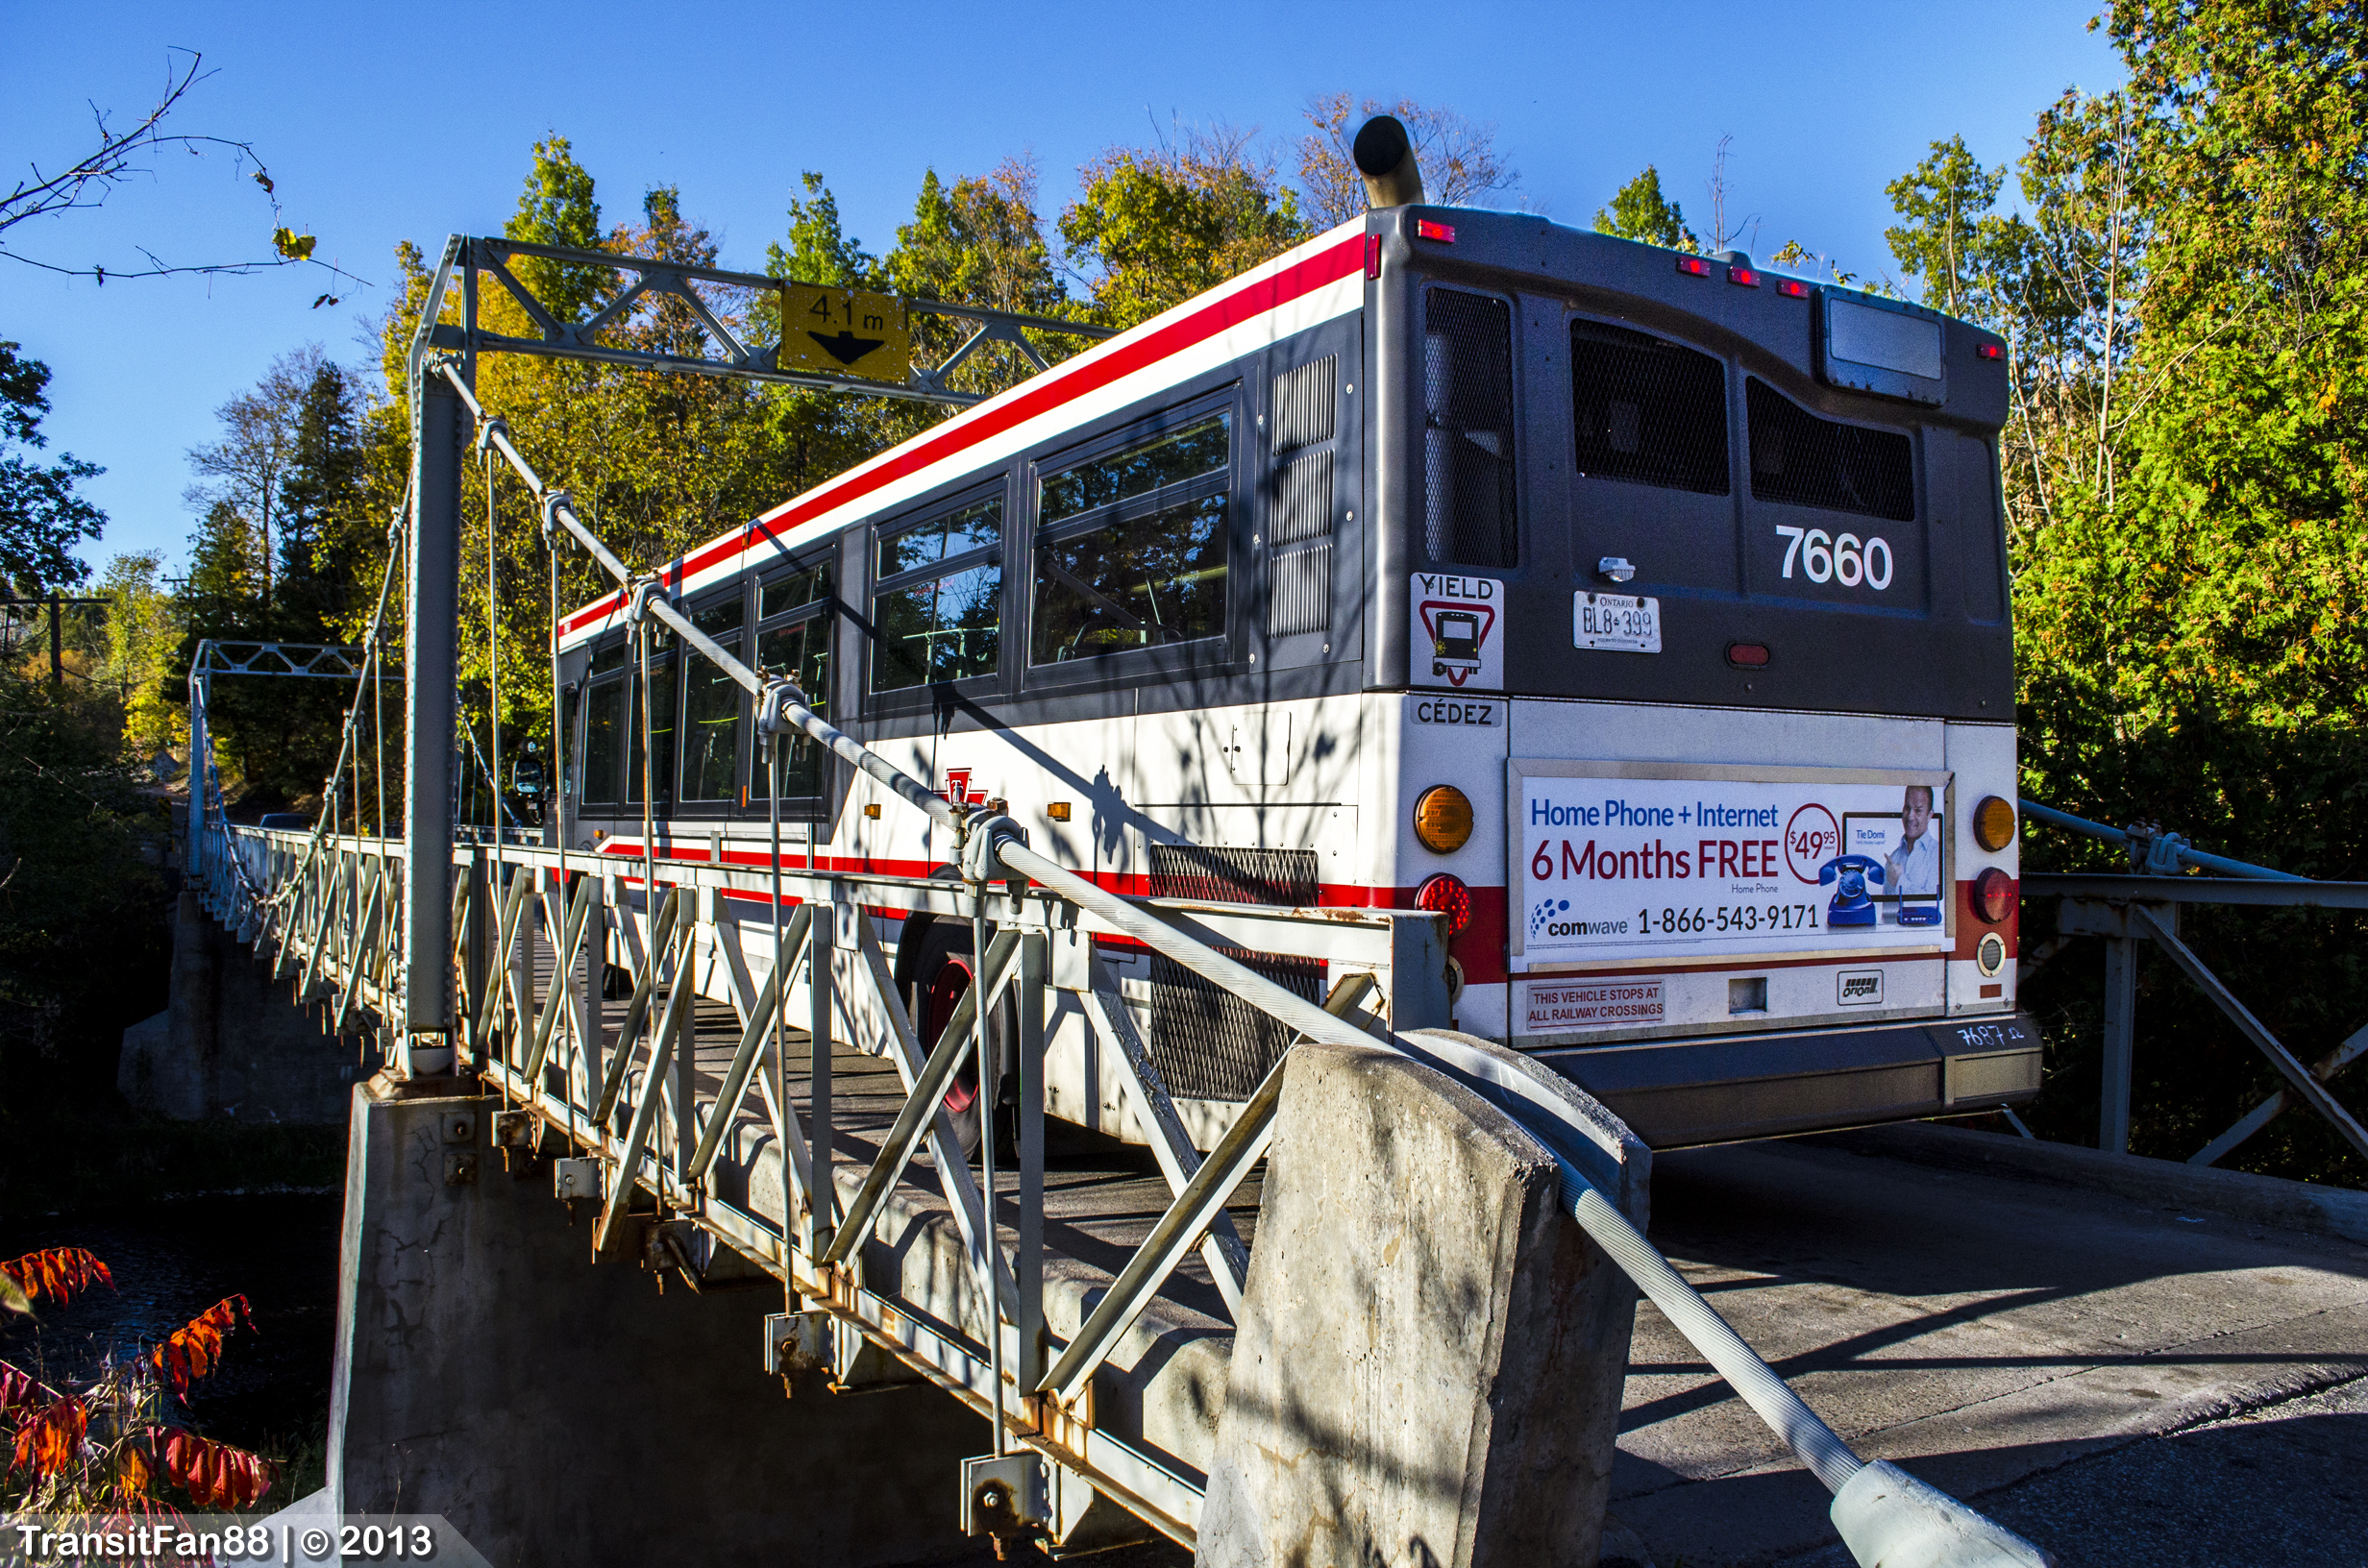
x: 382, y: 124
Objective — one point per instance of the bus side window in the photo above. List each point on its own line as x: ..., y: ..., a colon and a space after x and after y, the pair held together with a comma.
x: 659, y: 766
x: 604, y: 721
x: 937, y: 598
x: 793, y: 639
x: 711, y: 708
x: 1131, y: 547
x: 1469, y: 517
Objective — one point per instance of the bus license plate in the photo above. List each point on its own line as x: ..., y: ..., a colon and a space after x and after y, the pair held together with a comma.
x: 1617, y: 623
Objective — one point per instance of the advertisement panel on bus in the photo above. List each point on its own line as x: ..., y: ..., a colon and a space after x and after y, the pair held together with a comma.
x: 1626, y: 862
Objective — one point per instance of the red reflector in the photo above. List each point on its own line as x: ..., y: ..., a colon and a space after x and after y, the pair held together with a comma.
x: 1743, y: 276
x: 1444, y: 894
x: 1993, y: 896
x: 1994, y: 350
x: 1792, y: 288
x: 1373, y: 256
x: 1693, y: 266
x: 1747, y: 655
x: 1444, y: 233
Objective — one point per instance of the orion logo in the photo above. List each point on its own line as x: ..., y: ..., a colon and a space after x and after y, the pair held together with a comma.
x: 1546, y: 910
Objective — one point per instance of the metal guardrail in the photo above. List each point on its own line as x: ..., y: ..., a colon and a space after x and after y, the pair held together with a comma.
x: 2126, y: 910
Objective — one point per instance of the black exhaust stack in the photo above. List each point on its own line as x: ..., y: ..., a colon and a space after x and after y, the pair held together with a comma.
x: 1385, y: 158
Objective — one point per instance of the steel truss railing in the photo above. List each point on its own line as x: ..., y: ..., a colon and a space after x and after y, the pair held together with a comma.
x: 647, y: 281
x: 323, y: 904
x: 2128, y: 910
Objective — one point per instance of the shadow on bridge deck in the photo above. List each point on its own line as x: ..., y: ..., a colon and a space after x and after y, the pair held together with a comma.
x: 1999, y: 1337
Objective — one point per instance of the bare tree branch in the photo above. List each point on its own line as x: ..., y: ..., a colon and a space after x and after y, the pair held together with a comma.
x: 121, y: 156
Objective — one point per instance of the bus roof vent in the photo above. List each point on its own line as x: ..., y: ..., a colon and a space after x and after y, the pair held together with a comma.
x: 1802, y: 460
x: 1649, y: 412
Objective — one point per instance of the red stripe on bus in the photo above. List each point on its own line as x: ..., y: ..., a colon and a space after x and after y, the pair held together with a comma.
x: 1024, y: 402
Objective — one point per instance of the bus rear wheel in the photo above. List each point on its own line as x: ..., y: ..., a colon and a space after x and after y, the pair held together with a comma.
x: 944, y: 974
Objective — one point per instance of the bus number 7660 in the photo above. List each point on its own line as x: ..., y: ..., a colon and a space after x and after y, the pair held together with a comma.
x: 1824, y: 558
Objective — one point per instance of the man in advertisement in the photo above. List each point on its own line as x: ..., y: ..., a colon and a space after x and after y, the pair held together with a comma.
x: 1911, y: 872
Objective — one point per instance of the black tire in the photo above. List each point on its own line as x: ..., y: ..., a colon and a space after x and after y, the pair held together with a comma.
x: 940, y: 978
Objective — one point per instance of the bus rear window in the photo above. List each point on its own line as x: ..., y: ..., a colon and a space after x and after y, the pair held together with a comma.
x: 1802, y: 460
x: 1649, y: 412
x: 1469, y: 517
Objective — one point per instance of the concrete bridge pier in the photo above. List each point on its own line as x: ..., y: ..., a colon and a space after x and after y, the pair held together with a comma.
x: 561, y: 1413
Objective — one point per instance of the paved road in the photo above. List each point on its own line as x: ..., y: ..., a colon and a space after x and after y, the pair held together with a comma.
x: 2124, y: 1385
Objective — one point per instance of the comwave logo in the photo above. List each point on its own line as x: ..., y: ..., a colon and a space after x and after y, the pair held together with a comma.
x: 1546, y: 910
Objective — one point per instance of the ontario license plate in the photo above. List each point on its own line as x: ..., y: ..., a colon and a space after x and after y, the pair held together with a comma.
x: 1616, y: 623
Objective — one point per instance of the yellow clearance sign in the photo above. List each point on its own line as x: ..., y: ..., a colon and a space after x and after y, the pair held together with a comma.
x: 844, y: 331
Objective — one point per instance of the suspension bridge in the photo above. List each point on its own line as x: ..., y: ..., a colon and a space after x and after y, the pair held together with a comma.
x: 1382, y: 1314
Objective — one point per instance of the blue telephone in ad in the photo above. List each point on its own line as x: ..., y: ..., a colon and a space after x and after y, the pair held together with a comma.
x: 1850, y: 905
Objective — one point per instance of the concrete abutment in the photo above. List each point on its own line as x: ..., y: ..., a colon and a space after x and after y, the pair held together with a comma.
x: 561, y: 1413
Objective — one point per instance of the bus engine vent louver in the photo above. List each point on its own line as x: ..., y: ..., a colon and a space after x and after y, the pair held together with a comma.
x: 1467, y: 472
x: 1305, y: 418
x: 1209, y: 1043
x: 1802, y: 460
x: 1647, y: 411
x: 1234, y: 876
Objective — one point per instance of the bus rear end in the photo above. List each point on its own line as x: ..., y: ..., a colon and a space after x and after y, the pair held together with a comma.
x: 1692, y: 580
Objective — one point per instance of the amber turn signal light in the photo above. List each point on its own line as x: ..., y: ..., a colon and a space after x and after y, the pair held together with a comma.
x: 1059, y: 811
x: 1442, y: 819
x: 1993, y: 896
x: 1993, y: 824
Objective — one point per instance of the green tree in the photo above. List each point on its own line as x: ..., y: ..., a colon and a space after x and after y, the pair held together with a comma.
x: 1948, y: 237
x: 977, y: 240
x: 819, y: 250
x: 559, y: 207
x: 2187, y: 486
x: 42, y: 517
x: 1639, y: 211
x: 1153, y: 227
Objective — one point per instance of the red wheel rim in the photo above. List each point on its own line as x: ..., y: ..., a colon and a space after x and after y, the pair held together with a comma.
x: 946, y: 988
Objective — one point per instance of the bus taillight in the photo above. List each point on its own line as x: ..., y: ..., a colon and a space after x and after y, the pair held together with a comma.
x: 1444, y: 894
x: 1442, y: 819
x: 1993, y: 896
x: 1693, y: 266
x: 1744, y: 276
x: 1792, y: 288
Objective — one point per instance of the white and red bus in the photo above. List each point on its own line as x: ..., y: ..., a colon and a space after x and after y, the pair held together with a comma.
x: 1646, y: 613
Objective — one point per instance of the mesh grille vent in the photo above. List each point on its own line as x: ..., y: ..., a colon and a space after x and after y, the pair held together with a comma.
x: 1802, y: 460
x: 1299, y: 590
x: 1302, y: 499
x: 1469, y: 517
x: 1648, y: 412
x: 1233, y: 876
x: 1306, y: 408
x: 1209, y: 1044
